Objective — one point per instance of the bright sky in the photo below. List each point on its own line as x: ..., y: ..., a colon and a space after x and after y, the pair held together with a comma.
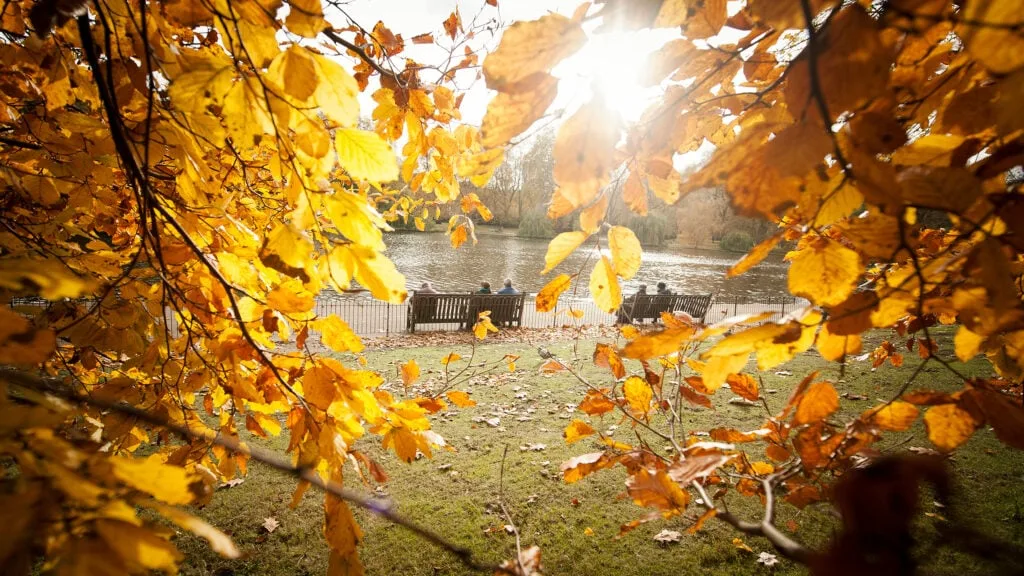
x: 609, y: 62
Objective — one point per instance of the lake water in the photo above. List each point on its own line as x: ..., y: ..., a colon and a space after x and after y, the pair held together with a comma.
x: 429, y: 257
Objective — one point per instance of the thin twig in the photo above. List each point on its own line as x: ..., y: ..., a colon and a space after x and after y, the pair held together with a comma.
x: 508, y: 516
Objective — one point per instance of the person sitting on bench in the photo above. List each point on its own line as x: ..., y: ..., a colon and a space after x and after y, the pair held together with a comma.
x: 426, y: 288
x: 508, y: 289
x: 626, y: 309
x: 663, y: 289
x: 485, y: 288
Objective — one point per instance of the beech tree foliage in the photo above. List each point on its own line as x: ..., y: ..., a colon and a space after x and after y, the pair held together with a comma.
x: 201, y: 162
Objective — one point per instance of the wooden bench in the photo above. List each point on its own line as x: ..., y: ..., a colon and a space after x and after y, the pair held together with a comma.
x: 506, y: 309
x: 642, y: 307
x: 463, y: 309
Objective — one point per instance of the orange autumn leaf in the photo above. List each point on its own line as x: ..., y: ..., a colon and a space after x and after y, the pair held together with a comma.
x: 547, y: 298
x: 606, y: 357
x: 410, y: 372
x: 818, y: 402
x: 655, y: 344
x: 596, y: 403
x: 460, y: 398
x: 949, y: 426
x: 576, y: 431
x: 743, y: 385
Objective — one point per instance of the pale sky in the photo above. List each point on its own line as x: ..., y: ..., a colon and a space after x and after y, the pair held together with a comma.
x: 611, y: 61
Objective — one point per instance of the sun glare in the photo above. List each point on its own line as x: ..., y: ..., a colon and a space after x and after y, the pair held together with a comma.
x: 613, y: 65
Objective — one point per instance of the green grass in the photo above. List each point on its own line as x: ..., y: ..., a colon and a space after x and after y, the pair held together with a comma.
x: 455, y: 493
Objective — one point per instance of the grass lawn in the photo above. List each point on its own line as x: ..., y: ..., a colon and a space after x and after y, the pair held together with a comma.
x: 455, y: 493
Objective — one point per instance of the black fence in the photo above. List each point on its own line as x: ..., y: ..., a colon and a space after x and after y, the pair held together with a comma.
x: 369, y: 317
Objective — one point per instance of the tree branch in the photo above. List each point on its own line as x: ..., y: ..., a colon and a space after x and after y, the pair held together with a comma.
x: 19, y: 143
x: 784, y: 544
x: 816, y: 91
x: 272, y: 459
x: 364, y: 56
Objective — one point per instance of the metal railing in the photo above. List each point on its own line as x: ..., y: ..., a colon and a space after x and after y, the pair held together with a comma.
x: 369, y: 317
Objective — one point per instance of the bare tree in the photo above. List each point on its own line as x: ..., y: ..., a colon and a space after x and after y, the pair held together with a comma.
x: 503, y: 192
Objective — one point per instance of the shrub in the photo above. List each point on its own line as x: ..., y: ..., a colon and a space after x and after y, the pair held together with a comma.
x: 535, y: 224
x: 736, y: 242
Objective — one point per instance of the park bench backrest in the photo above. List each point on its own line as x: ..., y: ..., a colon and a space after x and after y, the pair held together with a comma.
x: 463, y: 309
x: 650, y: 306
x: 696, y: 305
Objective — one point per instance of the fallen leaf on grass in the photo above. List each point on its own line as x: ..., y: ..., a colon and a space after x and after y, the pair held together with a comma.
x: 532, y: 447
x: 767, y: 559
x: 666, y: 536
x: 270, y: 524
x: 232, y: 483
x: 741, y: 545
x: 588, y: 531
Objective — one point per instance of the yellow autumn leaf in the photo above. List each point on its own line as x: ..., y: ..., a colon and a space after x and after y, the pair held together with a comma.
x: 290, y: 297
x: 638, y: 393
x: 460, y: 398
x: 835, y: 347
x: 896, y: 416
x: 365, y: 155
x: 591, y: 218
x: 824, y: 272
x: 718, y: 368
x: 287, y: 250
x: 410, y: 372
x: 336, y: 334
x: 220, y: 542
x: 625, y: 248
x: 372, y: 270
x: 320, y: 386
x: 998, y: 47
x: 341, y: 530
x: 483, y: 326
x: 585, y: 152
x: 449, y: 358
x: 356, y: 219
x: 510, y: 113
x: 20, y: 343
x: 967, y: 344
x: 604, y: 287
x: 294, y: 72
x: 547, y: 298
x: 755, y: 256
x: 561, y: 247
x: 529, y: 47
x: 139, y: 547
x: 169, y: 484
x: 336, y: 93
x: 48, y: 278
x: 306, y: 18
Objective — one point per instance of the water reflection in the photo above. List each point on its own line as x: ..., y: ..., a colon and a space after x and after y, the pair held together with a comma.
x: 429, y: 257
